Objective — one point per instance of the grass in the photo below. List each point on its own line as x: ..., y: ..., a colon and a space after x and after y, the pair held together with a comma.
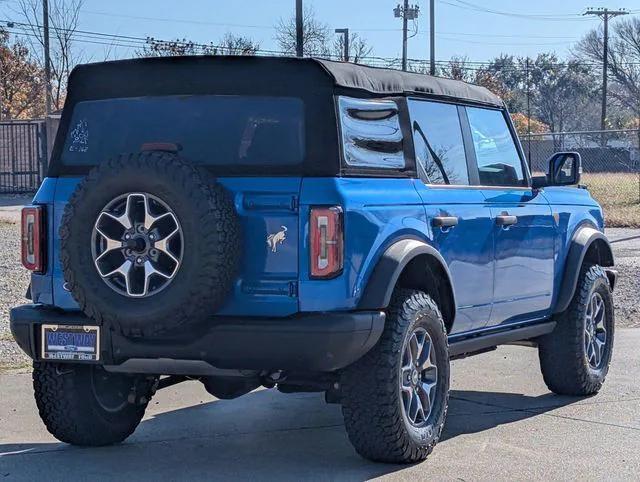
x: 619, y: 196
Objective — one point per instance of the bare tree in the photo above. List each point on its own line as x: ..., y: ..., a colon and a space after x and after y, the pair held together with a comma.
x: 359, y: 48
x: 63, y: 24
x: 171, y: 48
x: 624, y: 60
x: 315, y: 38
x: 230, y: 44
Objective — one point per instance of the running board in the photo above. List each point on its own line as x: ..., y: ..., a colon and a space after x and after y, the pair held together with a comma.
x: 462, y: 345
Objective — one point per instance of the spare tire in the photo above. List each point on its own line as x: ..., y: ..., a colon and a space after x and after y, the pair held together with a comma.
x: 149, y: 243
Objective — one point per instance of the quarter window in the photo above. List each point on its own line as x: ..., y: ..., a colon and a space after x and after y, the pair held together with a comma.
x: 437, y: 138
x: 371, y: 134
x: 498, y: 161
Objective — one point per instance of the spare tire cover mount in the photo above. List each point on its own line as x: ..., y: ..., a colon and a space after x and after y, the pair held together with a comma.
x: 137, y: 244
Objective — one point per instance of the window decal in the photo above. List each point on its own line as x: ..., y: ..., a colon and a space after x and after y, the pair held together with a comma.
x: 80, y: 137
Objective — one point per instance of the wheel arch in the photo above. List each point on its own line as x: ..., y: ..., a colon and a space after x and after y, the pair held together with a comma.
x: 411, y: 263
x: 587, y: 245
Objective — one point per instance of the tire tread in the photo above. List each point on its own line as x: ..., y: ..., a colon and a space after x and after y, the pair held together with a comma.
x: 371, y: 399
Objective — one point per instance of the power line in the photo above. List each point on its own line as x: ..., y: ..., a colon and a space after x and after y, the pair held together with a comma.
x: 546, y: 37
x: 532, y: 44
x: 459, y: 4
x: 132, y: 42
x: 128, y: 41
x: 528, y: 16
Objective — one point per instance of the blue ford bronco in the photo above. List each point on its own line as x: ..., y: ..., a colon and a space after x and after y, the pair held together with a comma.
x: 303, y: 225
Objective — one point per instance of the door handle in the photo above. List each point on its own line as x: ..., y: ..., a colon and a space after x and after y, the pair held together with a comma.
x: 506, y: 220
x: 444, y: 221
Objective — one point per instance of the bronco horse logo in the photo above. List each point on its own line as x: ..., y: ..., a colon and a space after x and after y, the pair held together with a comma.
x: 278, y: 238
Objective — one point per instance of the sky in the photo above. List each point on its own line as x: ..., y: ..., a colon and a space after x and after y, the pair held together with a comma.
x: 515, y: 27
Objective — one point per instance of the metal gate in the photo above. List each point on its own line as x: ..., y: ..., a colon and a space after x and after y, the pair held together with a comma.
x: 22, y: 156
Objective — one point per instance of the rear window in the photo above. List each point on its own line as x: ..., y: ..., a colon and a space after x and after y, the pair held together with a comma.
x: 211, y: 130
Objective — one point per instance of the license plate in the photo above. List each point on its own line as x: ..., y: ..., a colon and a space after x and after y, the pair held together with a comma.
x: 70, y: 342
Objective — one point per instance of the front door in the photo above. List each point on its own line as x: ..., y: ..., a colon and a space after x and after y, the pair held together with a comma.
x: 524, y: 228
x: 524, y: 250
x: 461, y: 225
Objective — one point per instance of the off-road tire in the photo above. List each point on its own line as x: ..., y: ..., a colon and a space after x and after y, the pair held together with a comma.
x: 370, y: 397
x: 70, y: 410
x: 563, y: 359
x: 211, y: 231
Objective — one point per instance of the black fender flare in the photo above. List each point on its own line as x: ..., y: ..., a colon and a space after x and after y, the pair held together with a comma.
x: 582, y: 240
x: 387, y: 271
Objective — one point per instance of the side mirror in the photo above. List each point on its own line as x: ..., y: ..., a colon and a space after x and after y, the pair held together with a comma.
x: 565, y: 169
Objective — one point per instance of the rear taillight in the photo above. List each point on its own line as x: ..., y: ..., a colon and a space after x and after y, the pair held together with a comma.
x: 325, y: 229
x: 33, y: 238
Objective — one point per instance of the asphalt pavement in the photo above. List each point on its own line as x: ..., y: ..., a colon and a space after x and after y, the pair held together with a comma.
x: 503, y: 424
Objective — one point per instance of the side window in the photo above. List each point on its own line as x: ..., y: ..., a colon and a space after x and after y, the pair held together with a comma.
x: 437, y: 138
x: 371, y: 134
x: 498, y: 161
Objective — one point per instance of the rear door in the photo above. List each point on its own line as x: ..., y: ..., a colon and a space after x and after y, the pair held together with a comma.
x: 523, y: 225
x: 268, y: 211
x: 462, y: 229
x: 255, y: 146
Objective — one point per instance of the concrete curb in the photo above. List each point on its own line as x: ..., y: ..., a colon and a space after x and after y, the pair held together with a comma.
x: 10, y: 214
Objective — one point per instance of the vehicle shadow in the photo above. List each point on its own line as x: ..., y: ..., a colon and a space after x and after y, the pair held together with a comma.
x: 474, y: 411
x: 264, y: 435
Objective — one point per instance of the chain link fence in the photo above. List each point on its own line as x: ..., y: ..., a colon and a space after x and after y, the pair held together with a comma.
x: 610, y: 164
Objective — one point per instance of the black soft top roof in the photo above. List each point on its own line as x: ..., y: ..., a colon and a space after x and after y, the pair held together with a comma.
x: 388, y: 82
x: 263, y: 72
x: 314, y: 81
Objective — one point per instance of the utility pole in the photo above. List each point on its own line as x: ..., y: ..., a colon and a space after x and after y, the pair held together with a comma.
x: 432, y: 37
x: 407, y: 13
x: 605, y: 14
x: 345, y: 32
x: 404, y: 35
x: 299, y: 30
x: 47, y: 58
x: 528, y: 113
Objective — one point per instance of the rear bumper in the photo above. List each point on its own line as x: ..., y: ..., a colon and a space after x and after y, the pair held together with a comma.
x: 321, y: 342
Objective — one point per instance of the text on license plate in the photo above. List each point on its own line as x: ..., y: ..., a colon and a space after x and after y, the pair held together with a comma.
x: 70, y: 342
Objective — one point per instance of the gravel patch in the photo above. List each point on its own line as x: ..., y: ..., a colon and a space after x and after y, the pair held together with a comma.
x: 14, y: 280
x: 627, y: 292
x: 11, y: 356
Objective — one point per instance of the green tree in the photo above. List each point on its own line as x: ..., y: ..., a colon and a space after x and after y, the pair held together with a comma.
x: 562, y: 93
